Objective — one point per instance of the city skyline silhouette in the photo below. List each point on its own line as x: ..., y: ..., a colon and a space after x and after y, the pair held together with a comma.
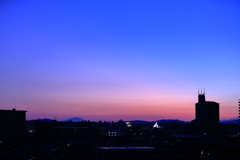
x: 119, y: 79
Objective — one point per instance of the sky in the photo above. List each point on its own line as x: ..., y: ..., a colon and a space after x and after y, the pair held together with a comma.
x: 110, y: 60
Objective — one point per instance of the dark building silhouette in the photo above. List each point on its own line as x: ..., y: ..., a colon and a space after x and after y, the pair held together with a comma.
x: 128, y: 153
x: 207, y: 112
x: 83, y: 134
x: 44, y: 130
x: 12, y: 123
x: 52, y: 130
x: 239, y: 111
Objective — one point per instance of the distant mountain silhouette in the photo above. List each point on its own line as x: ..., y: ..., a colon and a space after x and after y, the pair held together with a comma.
x: 75, y: 119
x: 230, y: 121
x: 170, y: 120
x: 159, y: 121
x: 138, y: 122
x: 44, y: 120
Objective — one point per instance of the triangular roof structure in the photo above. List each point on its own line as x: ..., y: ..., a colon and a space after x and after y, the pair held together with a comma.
x: 156, y: 125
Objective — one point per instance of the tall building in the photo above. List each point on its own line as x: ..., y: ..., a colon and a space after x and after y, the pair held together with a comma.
x: 12, y: 123
x: 239, y: 111
x: 207, y: 112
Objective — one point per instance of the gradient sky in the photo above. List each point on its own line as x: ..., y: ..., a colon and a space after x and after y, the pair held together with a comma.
x: 119, y: 59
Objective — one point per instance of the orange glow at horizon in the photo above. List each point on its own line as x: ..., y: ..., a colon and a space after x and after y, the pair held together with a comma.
x: 144, y: 105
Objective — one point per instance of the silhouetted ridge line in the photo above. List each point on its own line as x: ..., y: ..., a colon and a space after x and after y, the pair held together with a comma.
x: 74, y: 119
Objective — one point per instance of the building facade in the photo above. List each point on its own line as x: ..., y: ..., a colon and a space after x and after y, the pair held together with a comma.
x: 12, y: 123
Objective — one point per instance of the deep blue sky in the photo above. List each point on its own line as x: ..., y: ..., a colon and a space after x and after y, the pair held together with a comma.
x: 106, y: 60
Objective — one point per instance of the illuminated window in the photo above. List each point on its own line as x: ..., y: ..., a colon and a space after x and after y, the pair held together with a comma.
x: 128, y: 124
